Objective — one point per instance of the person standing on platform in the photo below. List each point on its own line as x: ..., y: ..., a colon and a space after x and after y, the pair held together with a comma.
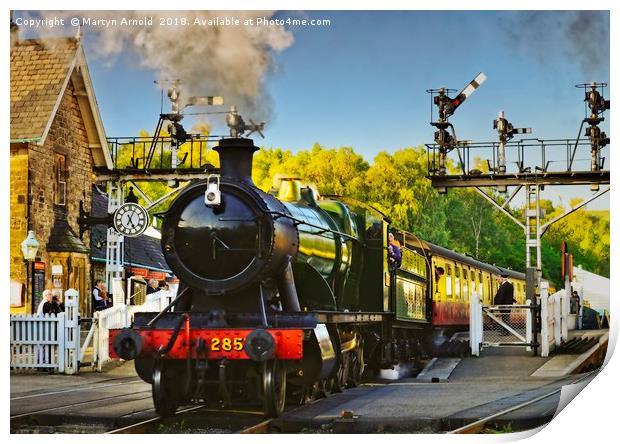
x: 47, y: 297
x: 100, y: 295
x: 55, y: 306
x: 163, y: 285
x: 504, y: 296
x: 575, y: 303
x: 43, y: 351
x: 152, y: 286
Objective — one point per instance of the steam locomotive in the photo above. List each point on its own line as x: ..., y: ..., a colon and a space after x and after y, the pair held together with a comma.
x: 286, y: 296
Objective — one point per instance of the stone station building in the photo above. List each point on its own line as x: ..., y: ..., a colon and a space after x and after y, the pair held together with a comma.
x: 57, y: 138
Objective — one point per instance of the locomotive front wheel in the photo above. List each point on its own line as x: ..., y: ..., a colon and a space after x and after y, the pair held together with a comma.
x: 274, y: 387
x: 163, y: 386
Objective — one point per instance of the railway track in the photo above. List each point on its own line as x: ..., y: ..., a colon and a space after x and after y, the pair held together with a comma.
x: 86, y: 387
x: 209, y: 421
x: 485, y: 423
x: 147, y: 425
x: 70, y: 409
x: 75, y: 404
x: 200, y: 419
x: 75, y: 414
x: 196, y: 419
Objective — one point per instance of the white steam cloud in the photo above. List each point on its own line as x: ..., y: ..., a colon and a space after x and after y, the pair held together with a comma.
x: 229, y: 61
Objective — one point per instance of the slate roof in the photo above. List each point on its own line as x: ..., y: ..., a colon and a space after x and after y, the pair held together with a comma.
x: 142, y: 251
x: 39, y: 71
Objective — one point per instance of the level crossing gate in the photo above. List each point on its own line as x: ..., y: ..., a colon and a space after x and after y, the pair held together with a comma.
x: 544, y: 325
x: 501, y: 325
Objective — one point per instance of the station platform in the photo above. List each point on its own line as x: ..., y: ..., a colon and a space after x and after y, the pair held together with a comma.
x: 448, y: 393
x: 451, y: 392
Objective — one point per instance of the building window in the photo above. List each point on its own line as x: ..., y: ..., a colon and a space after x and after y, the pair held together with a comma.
x: 60, y: 182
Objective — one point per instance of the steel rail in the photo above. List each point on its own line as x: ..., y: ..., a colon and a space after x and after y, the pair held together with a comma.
x: 146, y: 425
x: 82, y: 389
x: 261, y: 427
x: 140, y: 427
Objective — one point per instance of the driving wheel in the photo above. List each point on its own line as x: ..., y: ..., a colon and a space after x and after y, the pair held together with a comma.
x: 163, y: 389
x: 274, y: 387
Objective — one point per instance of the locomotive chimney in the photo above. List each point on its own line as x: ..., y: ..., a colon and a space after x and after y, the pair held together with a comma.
x: 236, y: 158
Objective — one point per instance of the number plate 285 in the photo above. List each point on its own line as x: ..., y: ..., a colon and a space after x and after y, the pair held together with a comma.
x: 226, y: 344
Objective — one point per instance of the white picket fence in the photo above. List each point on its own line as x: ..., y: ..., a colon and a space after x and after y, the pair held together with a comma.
x: 53, y: 342
x: 554, y: 318
x: 47, y: 341
x: 120, y: 316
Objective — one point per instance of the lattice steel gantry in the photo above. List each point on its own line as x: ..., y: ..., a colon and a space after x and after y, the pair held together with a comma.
x: 465, y: 170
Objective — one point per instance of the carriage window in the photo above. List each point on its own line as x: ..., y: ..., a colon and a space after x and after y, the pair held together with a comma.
x: 480, y: 277
x: 449, y: 280
x: 465, y: 283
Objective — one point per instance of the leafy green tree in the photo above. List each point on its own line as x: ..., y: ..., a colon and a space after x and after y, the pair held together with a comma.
x: 396, y: 184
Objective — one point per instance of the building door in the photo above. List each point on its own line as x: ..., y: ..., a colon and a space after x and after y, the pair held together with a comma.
x: 77, y: 280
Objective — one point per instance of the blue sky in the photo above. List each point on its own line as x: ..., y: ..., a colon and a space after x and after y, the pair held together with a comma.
x: 361, y: 81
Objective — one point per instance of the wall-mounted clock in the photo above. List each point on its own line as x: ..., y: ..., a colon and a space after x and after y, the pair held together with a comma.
x: 131, y: 220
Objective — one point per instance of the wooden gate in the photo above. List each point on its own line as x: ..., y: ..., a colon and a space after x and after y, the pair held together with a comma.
x: 47, y: 341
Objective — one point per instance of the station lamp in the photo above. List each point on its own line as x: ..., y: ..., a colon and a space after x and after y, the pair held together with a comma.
x: 30, y: 246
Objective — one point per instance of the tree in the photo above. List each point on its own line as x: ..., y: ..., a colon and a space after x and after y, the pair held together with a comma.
x: 397, y: 185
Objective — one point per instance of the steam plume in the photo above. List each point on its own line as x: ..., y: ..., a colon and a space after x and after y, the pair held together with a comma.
x: 585, y: 36
x: 230, y: 61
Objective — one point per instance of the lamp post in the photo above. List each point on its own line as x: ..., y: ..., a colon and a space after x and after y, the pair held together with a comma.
x: 30, y: 246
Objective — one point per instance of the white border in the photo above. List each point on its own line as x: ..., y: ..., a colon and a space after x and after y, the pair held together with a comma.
x: 589, y: 418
